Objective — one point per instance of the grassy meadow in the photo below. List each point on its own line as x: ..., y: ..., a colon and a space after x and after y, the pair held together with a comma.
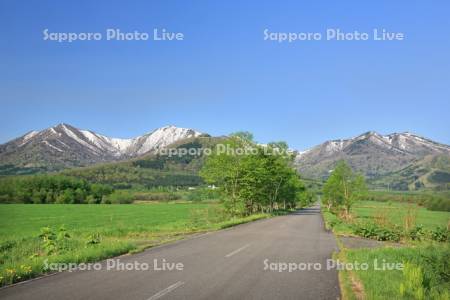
x: 32, y: 233
x: 421, y: 239
x: 389, y: 214
x: 395, y: 213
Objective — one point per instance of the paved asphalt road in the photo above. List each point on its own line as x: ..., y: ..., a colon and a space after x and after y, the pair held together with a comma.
x: 227, y: 264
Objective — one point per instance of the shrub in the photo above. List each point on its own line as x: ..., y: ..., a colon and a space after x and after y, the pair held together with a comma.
x: 119, y: 197
x: 373, y: 231
x: 54, y: 242
x: 48, y: 237
x: 388, y: 234
x: 367, y: 230
x: 417, y: 233
x: 438, y: 204
x: 440, y: 234
x: 91, y: 200
x: 93, y: 239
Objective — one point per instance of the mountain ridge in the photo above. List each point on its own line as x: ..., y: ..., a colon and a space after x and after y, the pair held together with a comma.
x: 392, y: 160
x: 64, y: 145
x: 369, y: 153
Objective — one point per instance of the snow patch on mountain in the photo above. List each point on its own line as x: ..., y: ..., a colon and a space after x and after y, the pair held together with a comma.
x: 51, y: 146
x: 163, y: 137
x: 121, y: 144
x: 29, y: 135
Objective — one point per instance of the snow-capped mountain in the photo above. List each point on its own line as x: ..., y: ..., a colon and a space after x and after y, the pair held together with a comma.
x: 64, y: 146
x: 370, y: 153
x: 157, y: 139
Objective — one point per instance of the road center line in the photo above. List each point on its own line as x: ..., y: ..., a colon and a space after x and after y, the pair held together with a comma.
x: 237, y: 250
x: 166, y: 290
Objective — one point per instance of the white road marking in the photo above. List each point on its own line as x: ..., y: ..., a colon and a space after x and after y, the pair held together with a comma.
x: 237, y: 250
x: 166, y: 290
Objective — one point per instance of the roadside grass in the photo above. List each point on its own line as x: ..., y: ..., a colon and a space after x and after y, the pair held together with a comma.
x: 390, y: 213
x: 429, y: 278
x: 95, y: 232
x: 427, y: 263
x: 332, y: 222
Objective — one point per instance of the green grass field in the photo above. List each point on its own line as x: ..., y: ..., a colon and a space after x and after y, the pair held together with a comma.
x: 396, y: 211
x: 393, y: 213
x: 24, y: 220
x: 96, y: 231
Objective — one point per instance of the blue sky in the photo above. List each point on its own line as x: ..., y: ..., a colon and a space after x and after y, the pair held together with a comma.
x: 223, y: 76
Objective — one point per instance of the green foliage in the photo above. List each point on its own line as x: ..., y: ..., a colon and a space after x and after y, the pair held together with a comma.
x: 40, y: 189
x: 305, y: 197
x: 93, y: 239
x: 54, y: 242
x: 260, y: 179
x: 126, y: 175
x: 48, y: 240
x: 343, y: 188
x: 440, y: 234
x: 374, y: 231
x: 119, y: 197
x: 438, y: 204
x: 417, y: 233
x: 10, y: 169
x: 279, y: 146
x: 243, y: 135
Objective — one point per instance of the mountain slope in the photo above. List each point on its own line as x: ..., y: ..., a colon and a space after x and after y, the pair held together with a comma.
x: 152, y: 169
x: 370, y: 153
x: 65, y: 146
x: 430, y: 172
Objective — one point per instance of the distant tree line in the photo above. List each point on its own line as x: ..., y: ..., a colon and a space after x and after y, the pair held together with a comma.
x: 259, y: 180
x: 138, y: 173
x: 51, y: 189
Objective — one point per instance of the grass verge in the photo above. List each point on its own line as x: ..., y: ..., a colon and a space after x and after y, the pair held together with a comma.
x: 423, y: 275
x: 417, y: 270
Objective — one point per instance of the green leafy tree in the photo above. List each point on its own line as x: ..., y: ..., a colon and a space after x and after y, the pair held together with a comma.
x: 243, y: 135
x: 261, y: 180
x: 225, y: 170
x: 343, y: 188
